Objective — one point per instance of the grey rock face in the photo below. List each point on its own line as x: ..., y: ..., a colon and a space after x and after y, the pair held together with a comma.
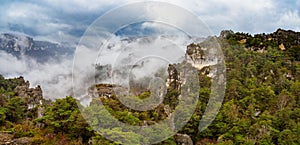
x: 42, y: 51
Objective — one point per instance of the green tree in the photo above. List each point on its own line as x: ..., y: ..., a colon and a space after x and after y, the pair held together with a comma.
x: 64, y: 117
x: 2, y: 115
x: 16, y: 109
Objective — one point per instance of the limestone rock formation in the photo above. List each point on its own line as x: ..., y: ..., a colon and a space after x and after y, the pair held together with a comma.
x: 173, y: 81
x: 226, y: 33
x: 183, y: 139
x: 195, y: 54
x: 33, y: 97
x: 7, y: 138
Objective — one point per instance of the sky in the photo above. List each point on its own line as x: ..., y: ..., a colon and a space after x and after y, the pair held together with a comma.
x: 66, y: 21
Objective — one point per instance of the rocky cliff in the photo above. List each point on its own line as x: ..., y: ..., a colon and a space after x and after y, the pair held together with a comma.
x: 20, y: 103
x: 32, y: 97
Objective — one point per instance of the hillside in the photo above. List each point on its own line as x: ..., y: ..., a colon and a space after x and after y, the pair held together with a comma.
x: 261, y: 103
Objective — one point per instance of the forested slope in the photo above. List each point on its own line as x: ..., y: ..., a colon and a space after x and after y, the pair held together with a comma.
x: 261, y: 104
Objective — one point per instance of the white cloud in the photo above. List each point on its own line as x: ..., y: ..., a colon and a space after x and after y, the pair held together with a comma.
x: 77, y: 6
x: 6, y: 65
x: 53, y: 76
x: 43, y: 18
x: 38, y: 20
x: 26, y: 11
x: 26, y: 14
x: 247, y: 15
x: 290, y: 20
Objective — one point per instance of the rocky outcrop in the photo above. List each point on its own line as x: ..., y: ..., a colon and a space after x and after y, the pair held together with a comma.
x: 173, y: 81
x: 195, y: 54
x: 201, y: 56
x: 226, y: 33
x: 104, y: 90
x: 183, y: 139
x: 5, y: 138
x: 8, y: 139
x: 33, y: 97
x: 21, y: 141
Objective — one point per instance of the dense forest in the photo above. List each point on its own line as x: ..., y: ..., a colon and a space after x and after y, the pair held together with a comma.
x: 261, y: 103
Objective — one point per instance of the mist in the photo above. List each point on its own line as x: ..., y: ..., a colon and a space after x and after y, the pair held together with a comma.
x: 54, y: 76
x: 122, y: 53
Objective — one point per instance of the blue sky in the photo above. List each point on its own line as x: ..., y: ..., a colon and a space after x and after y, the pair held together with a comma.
x: 67, y: 20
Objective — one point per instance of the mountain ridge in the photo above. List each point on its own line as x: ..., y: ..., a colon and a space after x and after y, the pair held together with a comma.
x: 20, y: 45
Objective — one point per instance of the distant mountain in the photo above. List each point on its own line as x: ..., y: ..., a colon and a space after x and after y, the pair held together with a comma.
x: 42, y: 51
